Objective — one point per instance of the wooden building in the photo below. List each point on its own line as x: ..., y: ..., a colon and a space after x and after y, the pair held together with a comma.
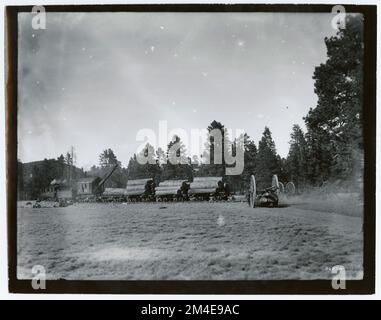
x: 58, y: 189
x: 89, y: 186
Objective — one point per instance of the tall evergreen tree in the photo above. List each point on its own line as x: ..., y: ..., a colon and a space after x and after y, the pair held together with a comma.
x: 61, y: 166
x: 161, y: 156
x: 107, y: 160
x: 251, y: 153
x: 297, y: 163
x: 216, y: 166
x: 178, y: 165
x: 150, y: 170
x: 240, y: 183
x: 335, y: 125
x: 267, y: 160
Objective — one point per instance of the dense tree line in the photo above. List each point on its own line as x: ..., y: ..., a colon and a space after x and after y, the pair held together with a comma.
x: 331, y: 150
x: 263, y: 162
x: 36, y: 176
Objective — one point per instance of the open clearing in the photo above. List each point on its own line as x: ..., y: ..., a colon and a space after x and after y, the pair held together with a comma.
x: 187, y: 241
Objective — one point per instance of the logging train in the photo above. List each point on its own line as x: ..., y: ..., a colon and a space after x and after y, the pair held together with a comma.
x: 202, y: 188
x: 92, y: 189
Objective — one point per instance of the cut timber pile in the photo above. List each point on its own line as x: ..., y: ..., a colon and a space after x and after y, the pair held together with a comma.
x: 169, y: 187
x: 137, y: 182
x: 202, y: 190
x: 136, y: 187
x: 202, y: 185
x: 207, y: 179
x: 171, y: 183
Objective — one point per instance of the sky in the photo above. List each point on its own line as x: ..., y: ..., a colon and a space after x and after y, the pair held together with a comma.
x: 93, y: 80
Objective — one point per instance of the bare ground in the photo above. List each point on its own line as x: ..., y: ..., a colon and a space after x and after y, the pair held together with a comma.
x: 193, y: 241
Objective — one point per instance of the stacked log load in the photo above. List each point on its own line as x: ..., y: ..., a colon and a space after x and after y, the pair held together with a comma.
x: 140, y: 188
x: 204, y: 185
x: 171, y: 188
x: 114, y: 194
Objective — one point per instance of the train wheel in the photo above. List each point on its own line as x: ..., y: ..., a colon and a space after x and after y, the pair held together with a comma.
x: 275, y: 184
x: 252, y: 191
x: 290, y: 188
x: 281, y: 187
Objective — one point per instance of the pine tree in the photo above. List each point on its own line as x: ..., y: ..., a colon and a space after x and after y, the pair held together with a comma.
x: 161, y: 157
x: 107, y: 158
x: 335, y: 125
x: 240, y: 183
x: 296, y: 163
x: 267, y: 160
x: 178, y: 165
x: 61, y: 166
x: 150, y: 170
x: 216, y: 166
x: 250, y: 159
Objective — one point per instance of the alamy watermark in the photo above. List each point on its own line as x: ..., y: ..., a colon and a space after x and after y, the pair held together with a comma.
x: 225, y: 151
x: 338, y: 21
x: 339, y: 277
x: 39, y: 18
x: 39, y: 278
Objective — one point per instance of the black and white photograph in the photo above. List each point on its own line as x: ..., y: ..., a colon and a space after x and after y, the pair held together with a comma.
x: 189, y: 146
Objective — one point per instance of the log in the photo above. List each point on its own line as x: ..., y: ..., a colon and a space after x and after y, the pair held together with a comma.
x: 135, y: 188
x: 202, y: 190
x: 134, y: 192
x: 171, y: 183
x: 201, y: 179
x: 137, y: 182
x: 166, y: 192
x: 203, y: 185
x: 168, y: 187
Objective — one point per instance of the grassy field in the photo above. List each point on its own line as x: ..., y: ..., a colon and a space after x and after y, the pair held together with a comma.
x: 194, y: 241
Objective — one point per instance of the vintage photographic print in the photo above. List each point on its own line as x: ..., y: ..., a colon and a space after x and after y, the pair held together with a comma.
x: 212, y: 145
